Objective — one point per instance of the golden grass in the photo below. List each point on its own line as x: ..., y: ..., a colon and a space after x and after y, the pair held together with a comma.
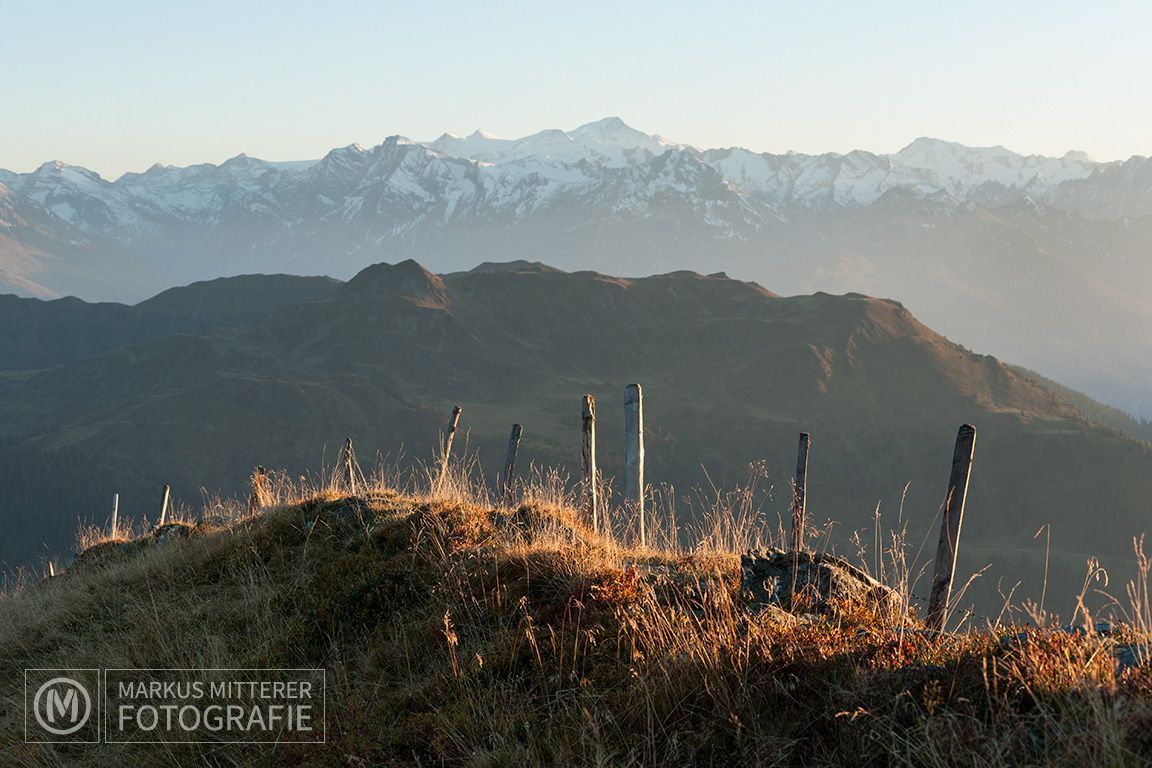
x: 458, y: 630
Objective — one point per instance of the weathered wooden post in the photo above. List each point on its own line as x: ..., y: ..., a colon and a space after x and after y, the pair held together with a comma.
x: 634, y: 453
x: 510, y: 461
x: 349, y: 466
x: 256, y: 498
x: 588, y: 460
x: 115, y: 526
x: 950, y: 528
x: 164, y: 506
x: 446, y: 451
x: 799, y: 494
x: 51, y: 570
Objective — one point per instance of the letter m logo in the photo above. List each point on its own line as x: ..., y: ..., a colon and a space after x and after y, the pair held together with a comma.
x: 57, y: 705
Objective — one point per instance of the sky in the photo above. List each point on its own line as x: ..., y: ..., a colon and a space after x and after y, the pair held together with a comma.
x: 118, y: 86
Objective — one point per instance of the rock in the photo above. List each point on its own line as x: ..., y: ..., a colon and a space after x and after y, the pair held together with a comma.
x: 824, y: 584
x: 217, y: 520
x: 171, y: 532
x: 106, y: 552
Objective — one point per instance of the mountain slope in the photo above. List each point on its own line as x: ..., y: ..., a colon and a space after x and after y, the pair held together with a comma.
x: 731, y: 373
x: 45, y: 256
x: 45, y: 334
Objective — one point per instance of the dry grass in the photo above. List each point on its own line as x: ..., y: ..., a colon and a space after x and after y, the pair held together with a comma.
x: 457, y: 630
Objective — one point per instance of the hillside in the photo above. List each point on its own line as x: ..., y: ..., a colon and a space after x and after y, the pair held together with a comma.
x: 44, y: 256
x: 453, y: 632
x: 1096, y: 411
x: 45, y: 334
x: 731, y: 373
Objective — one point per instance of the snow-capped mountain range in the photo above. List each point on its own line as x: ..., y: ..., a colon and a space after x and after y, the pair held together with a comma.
x: 974, y: 240
x: 606, y: 163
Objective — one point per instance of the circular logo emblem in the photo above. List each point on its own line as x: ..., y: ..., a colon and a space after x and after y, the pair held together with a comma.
x: 62, y: 706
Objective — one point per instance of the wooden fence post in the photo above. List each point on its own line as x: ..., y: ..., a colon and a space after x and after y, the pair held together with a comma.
x: 446, y: 451
x: 164, y: 507
x: 950, y: 528
x: 114, y: 528
x: 349, y: 462
x: 256, y: 498
x: 510, y: 461
x: 588, y: 460
x: 634, y: 453
x: 800, y: 494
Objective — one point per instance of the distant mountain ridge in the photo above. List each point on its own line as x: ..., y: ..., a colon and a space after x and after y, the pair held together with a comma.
x: 1037, y: 259
x: 927, y: 167
x: 46, y: 334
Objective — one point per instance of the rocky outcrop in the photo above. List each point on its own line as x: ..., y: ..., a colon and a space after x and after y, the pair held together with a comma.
x: 815, y: 583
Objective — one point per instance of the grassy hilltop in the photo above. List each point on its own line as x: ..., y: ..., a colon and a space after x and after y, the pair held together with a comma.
x: 456, y: 631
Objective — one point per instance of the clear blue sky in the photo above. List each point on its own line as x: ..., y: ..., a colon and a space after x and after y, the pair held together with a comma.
x: 116, y: 86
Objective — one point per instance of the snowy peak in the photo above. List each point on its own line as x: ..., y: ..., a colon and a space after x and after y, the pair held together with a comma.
x: 550, y: 136
x: 245, y: 162
x: 926, y: 148
x: 612, y: 131
x: 609, y: 142
x: 343, y: 155
x: 479, y: 145
x: 959, y: 169
x: 68, y: 174
x: 52, y: 167
x: 605, y: 125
